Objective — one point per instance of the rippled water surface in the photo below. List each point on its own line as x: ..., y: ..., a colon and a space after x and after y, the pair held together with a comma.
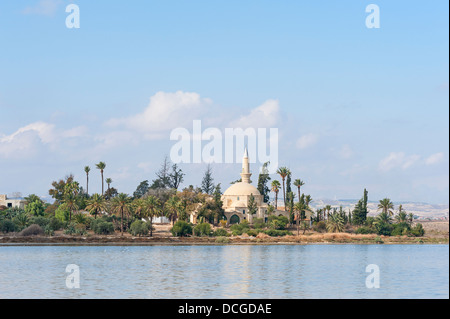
x: 312, y: 271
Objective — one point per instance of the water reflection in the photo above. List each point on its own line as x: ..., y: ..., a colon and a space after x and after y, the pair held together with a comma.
x: 278, y: 271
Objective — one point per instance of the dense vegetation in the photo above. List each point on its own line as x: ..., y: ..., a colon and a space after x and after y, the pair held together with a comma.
x: 75, y: 212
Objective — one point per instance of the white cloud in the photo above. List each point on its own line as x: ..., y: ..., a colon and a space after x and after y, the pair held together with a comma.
x: 434, y: 159
x: 265, y: 115
x: 398, y: 160
x: 43, y: 7
x: 146, y: 166
x: 27, y: 140
x: 307, y: 140
x: 164, y: 112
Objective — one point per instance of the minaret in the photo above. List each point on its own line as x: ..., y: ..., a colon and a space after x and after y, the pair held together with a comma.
x: 245, y: 175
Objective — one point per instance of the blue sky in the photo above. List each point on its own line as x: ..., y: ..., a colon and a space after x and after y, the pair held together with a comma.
x: 356, y: 107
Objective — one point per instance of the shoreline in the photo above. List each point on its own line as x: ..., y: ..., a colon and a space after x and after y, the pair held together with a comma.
x: 326, y: 239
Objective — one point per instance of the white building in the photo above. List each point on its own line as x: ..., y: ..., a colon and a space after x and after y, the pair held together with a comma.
x: 12, y: 202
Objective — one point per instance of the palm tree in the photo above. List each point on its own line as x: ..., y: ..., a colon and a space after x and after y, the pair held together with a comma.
x: 386, y: 206
x: 121, y: 205
x: 335, y: 223
x: 71, y: 202
x: 299, y: 183
x: 108, y: 181
x: 401, y: 217
x: 172, y: 208
x: 87, y: 169
x: 96, y: 205
x: 153, y: 210
x: 283, y: 172
x: 299, y: 208
x: 139, y: 207
x: 276, y: 189
x: 327, y: 209
x: 101, y: 166
x: 383, y: 218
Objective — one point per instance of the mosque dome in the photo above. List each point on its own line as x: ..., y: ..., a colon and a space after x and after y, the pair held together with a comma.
x: 242, y: 189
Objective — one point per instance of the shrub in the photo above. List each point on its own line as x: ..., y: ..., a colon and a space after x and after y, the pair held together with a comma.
x: 7, y: 226
x: 278, y: 223
x: 223, y: 223
x: 203, y: 229
x: 384, y: 229
x: 417, y: 231
x: 221, y: 232
x: 81, y: 218
x: 22, y: 221
x: 70, y: 229
x: 40, y: 220
x: 139, y: 228
x: 277, y: 232
x: 400, y: 229
x: 253, y: 232
x: 378, y: 240
x: 259, y: 223
x: 320, y: 227
x: 239, y: 229
x: 55, y: 224
x: 363, y: 230
x: 181, y: 229
x: 33, y: 230
x: 48, y: 231
x: 102, y: 227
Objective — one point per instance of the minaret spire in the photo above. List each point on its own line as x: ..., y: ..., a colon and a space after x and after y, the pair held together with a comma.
x: 245, y: 175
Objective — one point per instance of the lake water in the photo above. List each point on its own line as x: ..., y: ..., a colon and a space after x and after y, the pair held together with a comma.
x: 278, y: 271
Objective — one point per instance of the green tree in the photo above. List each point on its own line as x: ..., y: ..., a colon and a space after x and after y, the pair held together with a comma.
x: 57, y: 192
x: 299, y: 209
x: 108, y: 182
x: 35, y: 208
x: 87, y: 169
x: 335, y: 223
x: 276, y: 189
x: 401, y: 217
x: 283, y: 172
x: 263, y: 179
x: 33, y: 198
x: 163, y: 175
x: 176, y: 177
x: 101, y: 166
x: 386, y: 206
x: 360, y: 211
x: 173, y: 208
x: 288, y: 182
x: 153, y: 210
x: 299, y: 183
x: 121, y: 206
x: 252, y: 205
x: 96, y: 205
x: 208, y: 181
x: 142, y: 189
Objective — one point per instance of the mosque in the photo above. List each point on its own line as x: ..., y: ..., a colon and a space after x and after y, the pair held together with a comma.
x: 235, y: 199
